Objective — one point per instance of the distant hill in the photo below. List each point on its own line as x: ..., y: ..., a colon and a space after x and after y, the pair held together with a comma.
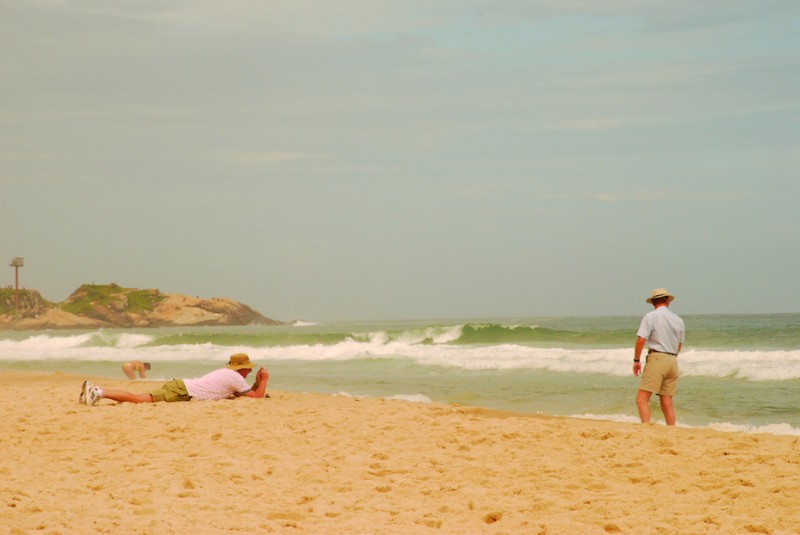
x: 111, y: 305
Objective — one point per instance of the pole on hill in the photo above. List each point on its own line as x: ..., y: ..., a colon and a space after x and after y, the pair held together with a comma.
x: 17, y: 262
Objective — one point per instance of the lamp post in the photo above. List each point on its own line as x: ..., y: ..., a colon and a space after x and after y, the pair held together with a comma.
x: 17, y: 263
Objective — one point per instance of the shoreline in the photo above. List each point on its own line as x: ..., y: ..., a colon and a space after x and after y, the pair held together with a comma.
x: 783, y: 428
x: 318, y: 463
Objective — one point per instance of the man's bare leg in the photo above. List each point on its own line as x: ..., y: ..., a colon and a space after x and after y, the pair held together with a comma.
x: 668, y: 409
x: 643, y: 403
x: 127, y: 369
x: 123, y: 395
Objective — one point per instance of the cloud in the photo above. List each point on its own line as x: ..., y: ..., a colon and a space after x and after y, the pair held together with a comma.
x: 650, y: 196
x: 10, y: 156
x: 599, y: 197
x: 300, y: 17
x: 267, y: 158
x: 603, y: 123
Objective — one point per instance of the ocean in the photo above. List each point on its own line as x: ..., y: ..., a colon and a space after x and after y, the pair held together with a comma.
x: 738, y: 372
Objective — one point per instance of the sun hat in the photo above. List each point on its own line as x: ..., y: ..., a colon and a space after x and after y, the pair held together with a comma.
x: 239, y: 361
x: 660, y: 292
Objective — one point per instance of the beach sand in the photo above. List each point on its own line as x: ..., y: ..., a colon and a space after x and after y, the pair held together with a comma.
x: 309, y: 463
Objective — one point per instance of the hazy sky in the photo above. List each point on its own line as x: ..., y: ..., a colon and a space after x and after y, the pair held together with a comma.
x: 406, y: 159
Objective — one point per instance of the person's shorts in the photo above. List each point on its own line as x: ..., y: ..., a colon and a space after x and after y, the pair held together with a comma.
x: 174, y: 390
x: 660, y: 374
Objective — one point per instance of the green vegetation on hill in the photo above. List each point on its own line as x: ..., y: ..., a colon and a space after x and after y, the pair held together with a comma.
x: 27, y: 299
x: 7, y: 301
x: 114, y: 305
x: 85, y: 299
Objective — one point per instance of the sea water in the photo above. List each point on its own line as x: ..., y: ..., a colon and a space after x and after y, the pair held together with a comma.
x: 738, y: 372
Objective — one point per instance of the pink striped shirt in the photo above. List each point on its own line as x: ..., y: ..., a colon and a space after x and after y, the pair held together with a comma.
x: 219, y: 384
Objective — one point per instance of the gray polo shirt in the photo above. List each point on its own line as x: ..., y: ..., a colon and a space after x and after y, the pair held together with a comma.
x: 662, y: 329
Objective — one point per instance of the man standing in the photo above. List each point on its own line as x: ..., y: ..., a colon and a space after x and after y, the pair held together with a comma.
x: 227, y: 382
x: 663, y: 332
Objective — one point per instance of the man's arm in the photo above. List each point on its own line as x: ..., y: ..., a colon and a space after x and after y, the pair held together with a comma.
x: 260, y: 386
x: 637, y: 355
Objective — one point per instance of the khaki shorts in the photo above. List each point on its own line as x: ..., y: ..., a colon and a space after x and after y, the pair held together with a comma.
x: 660, y: 374
x: 174, y: 390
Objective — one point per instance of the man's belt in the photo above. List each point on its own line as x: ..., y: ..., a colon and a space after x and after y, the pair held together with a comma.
x: 662, y: 352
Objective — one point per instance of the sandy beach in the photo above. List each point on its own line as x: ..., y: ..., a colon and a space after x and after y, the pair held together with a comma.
x: 309, y: 463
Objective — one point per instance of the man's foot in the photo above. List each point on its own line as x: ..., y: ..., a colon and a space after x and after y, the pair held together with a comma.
x: 84, y: 390
x: 93, y: 395
x: 89, y: 394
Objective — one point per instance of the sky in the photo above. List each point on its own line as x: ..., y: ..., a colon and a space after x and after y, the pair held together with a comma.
x: 406, y: 159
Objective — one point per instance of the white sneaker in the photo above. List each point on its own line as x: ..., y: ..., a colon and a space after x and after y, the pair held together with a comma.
x: 93, y: 395
x: 87, y: 386
x: 90, y: 393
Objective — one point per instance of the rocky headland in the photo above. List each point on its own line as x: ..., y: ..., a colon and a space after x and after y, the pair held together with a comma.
x: 110, y: 305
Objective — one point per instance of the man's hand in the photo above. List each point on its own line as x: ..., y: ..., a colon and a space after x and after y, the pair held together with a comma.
x: 260, y: 384
x: 637, y: 355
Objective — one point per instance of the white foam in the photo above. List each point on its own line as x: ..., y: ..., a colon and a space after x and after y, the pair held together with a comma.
x: 301, y: 323
x: 776, y: 365
x: 416, y: 398
x: 622, y: 418
x: 133, y: 340
x: 101, y: 345
x: 43, y: 342
x: 748, y: 365
x: 771, y: 429
x: 432, y: 335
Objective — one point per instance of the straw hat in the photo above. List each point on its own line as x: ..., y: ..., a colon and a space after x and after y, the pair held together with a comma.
x: 239, y: 361
x: 660, y: 292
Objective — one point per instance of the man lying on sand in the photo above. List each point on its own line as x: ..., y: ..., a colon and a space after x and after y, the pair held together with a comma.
x: 224, y: 383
